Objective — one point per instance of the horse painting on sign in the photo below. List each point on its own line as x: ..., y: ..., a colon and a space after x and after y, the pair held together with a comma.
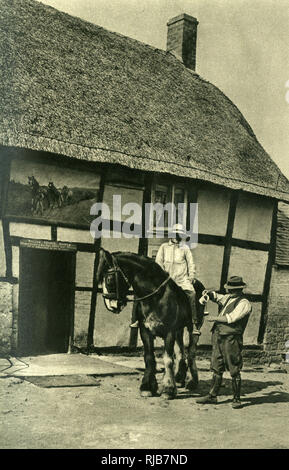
x: 163, y: 310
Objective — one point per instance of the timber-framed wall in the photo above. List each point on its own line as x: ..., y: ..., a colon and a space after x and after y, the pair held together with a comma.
x: 228, y: 241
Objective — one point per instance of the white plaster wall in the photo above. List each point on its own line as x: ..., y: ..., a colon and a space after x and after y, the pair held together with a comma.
x: 19, y: 229
x: 252, y: 329
x: 213, y: 208
x: 84, y: 269
x: 253, y: 218
x: 15, y: 261
x: 208, y: 260
x: 251, y: 265
x: 81, y: 317
x: 74, y: 235
x: 120, y: 244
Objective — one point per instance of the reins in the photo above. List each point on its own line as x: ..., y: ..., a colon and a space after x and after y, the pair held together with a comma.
x: 118, y: 268
x: 152, y: 293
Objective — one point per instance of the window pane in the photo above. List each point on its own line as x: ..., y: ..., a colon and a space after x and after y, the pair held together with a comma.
x: 163, y: 196
x: 179, y: 198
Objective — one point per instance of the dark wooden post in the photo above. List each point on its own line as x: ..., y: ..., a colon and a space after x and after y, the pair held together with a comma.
x: 228, y: 238
x: 142, y: 250
x: 72, y: 304
x: 97, y: 245
x: 5, y: 168
x: 268, y: 274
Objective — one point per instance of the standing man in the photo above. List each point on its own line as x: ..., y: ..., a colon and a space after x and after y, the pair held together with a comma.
x: 227, y: 338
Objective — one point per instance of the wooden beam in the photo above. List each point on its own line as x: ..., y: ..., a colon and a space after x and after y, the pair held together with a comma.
x: 203, y: 239
x: 72, y: 304
x: 268, y: 274
x: 192, y: 189
x: 250, y: 245
x: 54, y: 233
x: 147, y: 195
x: 11, y: 280
x: 142, y: 250
x: 83, y: 247
x: 228, y: 239
x: 49, y: 223
x: 83, y: 289
x: 207, y: 239
x: 5, y: 178
x: 97, y: 245
x: 254, y: 297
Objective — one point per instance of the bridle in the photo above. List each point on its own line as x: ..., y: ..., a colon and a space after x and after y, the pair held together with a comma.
x: 113, y: 283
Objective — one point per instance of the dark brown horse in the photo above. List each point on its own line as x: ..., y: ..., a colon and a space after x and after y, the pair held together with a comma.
x: 162, y: 310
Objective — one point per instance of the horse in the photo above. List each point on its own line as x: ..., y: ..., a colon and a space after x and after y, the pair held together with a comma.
x: 163, y: 310
x: 54, y: 195
x: 66, y: 194
x: 39, y: 195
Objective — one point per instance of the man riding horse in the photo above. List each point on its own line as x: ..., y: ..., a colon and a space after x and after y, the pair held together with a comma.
x: 177, y: 260
x: 164, y: 309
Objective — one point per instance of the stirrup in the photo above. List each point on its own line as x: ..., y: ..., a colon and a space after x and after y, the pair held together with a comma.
x: 196, y: 332
x: 134, y: 325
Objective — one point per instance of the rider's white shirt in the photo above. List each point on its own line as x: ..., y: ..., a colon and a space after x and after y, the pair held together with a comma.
x: 178, y: 262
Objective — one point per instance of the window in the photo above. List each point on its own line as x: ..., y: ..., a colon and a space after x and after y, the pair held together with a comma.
x: 172, y: 194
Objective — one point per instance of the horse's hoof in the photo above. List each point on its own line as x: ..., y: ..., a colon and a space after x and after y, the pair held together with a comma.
x: 168, y: 396
x: 146, y: 393
x: 192, y: 386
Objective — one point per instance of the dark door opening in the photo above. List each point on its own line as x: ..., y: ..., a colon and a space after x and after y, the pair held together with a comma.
x: 46, y: 301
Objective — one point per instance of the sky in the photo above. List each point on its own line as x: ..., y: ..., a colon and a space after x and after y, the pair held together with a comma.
x: 242, y: 48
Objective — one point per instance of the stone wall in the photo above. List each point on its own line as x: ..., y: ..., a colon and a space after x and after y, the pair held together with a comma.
x: 277, y: 329
x: 5, y: 318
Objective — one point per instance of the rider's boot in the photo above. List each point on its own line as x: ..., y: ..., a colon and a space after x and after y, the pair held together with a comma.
x: 211, y: 398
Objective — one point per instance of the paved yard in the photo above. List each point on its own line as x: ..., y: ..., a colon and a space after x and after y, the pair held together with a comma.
x: 90, y: 402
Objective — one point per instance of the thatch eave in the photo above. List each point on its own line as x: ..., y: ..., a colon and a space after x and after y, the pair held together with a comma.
x: 137, y: 162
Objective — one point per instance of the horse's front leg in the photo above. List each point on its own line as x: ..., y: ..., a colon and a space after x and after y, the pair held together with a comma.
x: 192, y: 352
x: 169, y: 389
x: 181, y: 363
x: 149, y: 385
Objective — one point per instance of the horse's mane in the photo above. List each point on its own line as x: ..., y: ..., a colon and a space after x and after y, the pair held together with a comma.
x: 152, y: 268
x: 145, y: 261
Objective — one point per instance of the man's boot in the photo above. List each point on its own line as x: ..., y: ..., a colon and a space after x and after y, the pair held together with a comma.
x: 236, y: 386
x: 211, y: 398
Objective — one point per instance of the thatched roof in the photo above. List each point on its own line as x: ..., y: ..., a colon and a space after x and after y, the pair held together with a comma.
x: 282, y: 244
x: 75, y: 89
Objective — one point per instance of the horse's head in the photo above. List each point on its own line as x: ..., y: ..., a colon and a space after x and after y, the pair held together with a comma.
x: 115, y: 284
x: 31, y: 180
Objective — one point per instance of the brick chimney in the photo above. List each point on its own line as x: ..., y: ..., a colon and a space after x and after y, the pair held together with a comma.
x: 182, y: 39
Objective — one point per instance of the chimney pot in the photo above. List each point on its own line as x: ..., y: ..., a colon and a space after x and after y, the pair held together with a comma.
x: 182, y: 39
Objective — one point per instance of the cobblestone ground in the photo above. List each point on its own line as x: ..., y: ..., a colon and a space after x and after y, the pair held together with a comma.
x: 110, y: 414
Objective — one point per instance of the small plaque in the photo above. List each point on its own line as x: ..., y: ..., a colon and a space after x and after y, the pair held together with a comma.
x: 47, y: 245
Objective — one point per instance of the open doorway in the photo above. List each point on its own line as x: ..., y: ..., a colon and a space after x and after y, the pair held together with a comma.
x: 46, y: 301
